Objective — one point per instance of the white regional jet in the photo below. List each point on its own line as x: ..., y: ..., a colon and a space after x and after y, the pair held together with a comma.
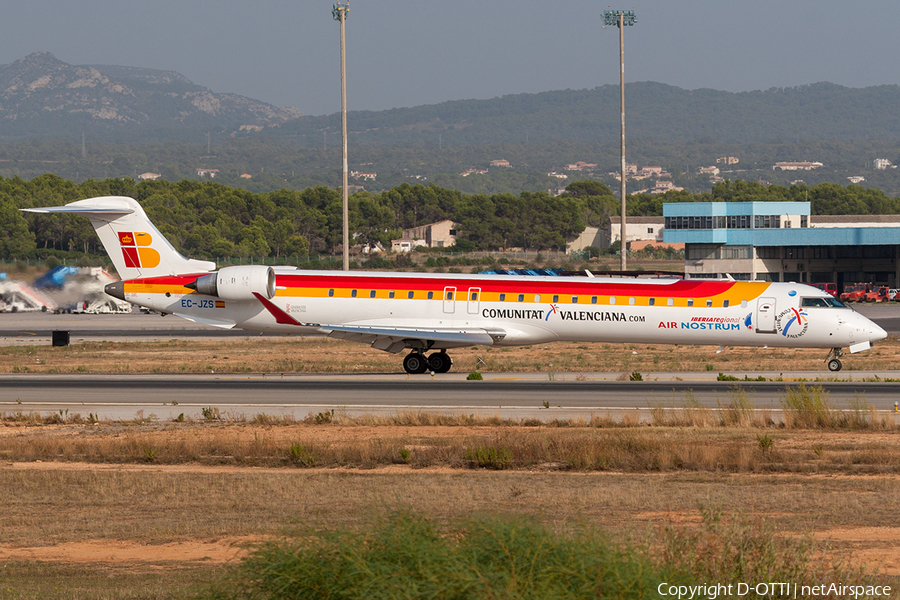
x: 433, y: 312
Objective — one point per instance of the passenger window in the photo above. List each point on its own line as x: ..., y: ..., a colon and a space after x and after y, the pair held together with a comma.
x: 430, y: 295
x: 410, y: 295
x: 555, y: 298
x: 372, y: 294
x: 631, y: 301
x: 708, y: 302
x: 612, y: 299
x: 353, y: 294
x: 537, y: 297
x: 670, y: 302
x: 743, y: 304
x: 725, y: 304
x: 330, y: 293
x: 449, y: 295
x: 502, y: 297
x: 593, y: 299
x: 391, y: 294
x: 521, y: 297
x: 474, y: 296
x: 574, y: 299
x: 690, y: 301
x: 652, y: 301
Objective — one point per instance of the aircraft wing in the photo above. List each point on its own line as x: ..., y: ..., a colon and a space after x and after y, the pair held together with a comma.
x: 206, y: 321
x: 394, y: 339
x: 397, y: 339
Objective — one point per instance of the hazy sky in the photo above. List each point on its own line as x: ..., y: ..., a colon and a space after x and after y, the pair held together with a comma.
x: 404, y: 53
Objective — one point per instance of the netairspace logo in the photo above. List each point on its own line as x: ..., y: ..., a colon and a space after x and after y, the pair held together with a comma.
x: 771, y: 590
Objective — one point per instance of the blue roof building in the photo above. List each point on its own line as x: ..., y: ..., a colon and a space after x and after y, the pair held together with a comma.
x: 781, y: 241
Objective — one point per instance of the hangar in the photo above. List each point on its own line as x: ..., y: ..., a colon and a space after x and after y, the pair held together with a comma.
x: 782, y: 241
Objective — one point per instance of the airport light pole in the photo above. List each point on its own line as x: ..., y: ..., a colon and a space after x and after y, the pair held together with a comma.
x: 340, y: 13
x: 621, y: 18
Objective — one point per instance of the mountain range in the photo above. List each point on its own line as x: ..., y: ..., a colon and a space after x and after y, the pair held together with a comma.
x: 44, y: 97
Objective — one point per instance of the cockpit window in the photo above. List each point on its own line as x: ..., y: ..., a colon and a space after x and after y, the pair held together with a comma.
x: 822, y: 302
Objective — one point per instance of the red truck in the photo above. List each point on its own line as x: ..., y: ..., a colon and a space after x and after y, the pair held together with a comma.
x: 855, y: 292
x: 879, y: 294
x: 831, y: 288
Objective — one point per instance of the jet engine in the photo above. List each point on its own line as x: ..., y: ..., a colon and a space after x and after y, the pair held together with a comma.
x: 237, y: 283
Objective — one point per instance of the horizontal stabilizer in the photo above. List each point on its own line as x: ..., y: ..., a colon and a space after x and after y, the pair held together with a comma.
x: 87, y: 211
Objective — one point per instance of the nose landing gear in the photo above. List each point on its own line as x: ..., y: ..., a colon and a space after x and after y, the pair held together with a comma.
x: 834, y: 364
x: 415, y: 363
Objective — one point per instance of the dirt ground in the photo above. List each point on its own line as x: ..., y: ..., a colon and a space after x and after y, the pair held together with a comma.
x: 867, y: 537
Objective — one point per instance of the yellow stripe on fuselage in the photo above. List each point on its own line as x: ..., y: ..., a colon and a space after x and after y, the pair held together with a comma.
x: 736, y: 293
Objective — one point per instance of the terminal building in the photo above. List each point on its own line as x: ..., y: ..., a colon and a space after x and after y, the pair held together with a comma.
x: 781, y: 241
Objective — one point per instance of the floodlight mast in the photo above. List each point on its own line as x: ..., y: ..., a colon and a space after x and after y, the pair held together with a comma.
x: 340, y: 12
x: 621, y: 18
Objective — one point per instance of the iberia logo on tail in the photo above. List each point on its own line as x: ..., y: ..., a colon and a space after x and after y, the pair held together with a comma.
x: 136, y: 250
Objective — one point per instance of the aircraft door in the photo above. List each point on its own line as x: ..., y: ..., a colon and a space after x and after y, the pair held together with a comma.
x: 765, y: 315
x: 474, y: 300
x: 449, y: 300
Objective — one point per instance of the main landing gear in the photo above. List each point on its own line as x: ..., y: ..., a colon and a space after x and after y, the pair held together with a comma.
x: 415, y: 363
x: 834, y: 364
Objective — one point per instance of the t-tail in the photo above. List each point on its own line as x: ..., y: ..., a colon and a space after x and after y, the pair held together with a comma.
x: 134, y: 244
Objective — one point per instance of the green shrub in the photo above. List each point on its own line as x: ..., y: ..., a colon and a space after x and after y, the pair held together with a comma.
x: 409, y: 557
x: 489, y: 457
x: 406, y: 556
x: 302, y: 455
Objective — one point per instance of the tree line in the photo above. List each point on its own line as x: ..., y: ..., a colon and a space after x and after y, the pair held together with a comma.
x: 209, y: 220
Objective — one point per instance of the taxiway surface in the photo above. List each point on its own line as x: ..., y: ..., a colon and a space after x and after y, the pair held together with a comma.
x: 518, y: 396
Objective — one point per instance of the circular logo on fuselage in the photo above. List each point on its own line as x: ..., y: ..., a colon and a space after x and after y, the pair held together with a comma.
x: 792, y: 322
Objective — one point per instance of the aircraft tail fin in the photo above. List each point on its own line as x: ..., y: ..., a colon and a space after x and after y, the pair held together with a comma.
x: 134, y: 244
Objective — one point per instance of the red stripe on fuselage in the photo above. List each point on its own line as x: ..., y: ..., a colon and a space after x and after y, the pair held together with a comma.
x: 682, y: 288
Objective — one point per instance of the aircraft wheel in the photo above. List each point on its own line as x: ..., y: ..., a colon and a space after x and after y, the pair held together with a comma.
x: 440, y: 362
x: 834, y: 365
x: 415, y: 363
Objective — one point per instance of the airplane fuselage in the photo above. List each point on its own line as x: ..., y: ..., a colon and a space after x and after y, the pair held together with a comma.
x: 527, y: 310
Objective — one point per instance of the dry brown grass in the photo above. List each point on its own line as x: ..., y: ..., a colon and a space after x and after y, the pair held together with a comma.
x: 324, y: 355
x: 212, y: 485
x: 576, y: 446
x: 50, y: 504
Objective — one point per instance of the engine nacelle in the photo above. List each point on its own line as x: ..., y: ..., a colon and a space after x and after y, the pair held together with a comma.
x: 238, y: 283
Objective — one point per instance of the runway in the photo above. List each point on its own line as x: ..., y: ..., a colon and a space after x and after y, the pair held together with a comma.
x: 521, y: 396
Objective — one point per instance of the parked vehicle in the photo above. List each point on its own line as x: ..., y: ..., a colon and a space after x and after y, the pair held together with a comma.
x: 879, y: 294
x: 831, y: 288
x: 855, y: 292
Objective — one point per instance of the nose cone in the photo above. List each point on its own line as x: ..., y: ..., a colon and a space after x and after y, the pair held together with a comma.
x: 868, y: 330
x: 876, y: 333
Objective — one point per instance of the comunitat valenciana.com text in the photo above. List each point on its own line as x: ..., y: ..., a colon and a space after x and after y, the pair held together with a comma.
x: 712, y: 591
